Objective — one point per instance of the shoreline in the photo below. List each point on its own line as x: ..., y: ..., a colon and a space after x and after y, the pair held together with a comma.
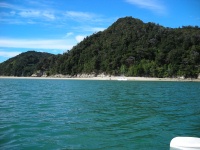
x: 112, y: 78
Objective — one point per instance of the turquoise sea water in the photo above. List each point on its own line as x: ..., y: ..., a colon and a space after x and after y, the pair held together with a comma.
x: 73, y: 114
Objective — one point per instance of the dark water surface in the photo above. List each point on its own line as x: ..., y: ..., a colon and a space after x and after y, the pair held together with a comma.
x: 73, y: 114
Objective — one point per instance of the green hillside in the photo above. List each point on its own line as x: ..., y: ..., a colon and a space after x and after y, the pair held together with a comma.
x: 142, y: 49
x: 129, y: 46
x: 24, y: 64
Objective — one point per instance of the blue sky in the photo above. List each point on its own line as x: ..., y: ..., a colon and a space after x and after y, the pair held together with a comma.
x: 55, y: 26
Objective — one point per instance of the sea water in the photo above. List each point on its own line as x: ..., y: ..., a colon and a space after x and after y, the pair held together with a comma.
x: 81, y: 114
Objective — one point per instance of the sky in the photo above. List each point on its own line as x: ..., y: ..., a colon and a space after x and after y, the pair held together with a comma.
x: 55, y: 26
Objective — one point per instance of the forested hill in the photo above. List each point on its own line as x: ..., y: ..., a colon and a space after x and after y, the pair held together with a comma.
x: 24, y: 64
x: 137, y: 49
x: 134, y: 48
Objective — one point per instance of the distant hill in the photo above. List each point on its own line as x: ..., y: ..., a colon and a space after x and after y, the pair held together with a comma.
x: 25, y: 64
x: 131, y: 47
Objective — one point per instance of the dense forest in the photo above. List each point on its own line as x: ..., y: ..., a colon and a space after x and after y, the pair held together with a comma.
x: 24, y: 64
x: 128, y: 47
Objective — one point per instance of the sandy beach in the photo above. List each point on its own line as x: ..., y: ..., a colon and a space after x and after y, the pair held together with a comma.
x: 105, y: 78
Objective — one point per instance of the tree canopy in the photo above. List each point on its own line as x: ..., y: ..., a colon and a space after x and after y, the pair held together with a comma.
x: 141, y: 49
x: 24, y: 64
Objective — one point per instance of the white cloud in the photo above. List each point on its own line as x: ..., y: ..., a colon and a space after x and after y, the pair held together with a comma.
x: 153, y: 5
x: 77, y: 14
x: 26, y: 12
x: 81, y: 16
x: 7, y: 14
x: 37, y: 14
x: 9, y: 6
x: 79, y: 38
x: 49, y: 15
x: 46, y: 14
x: 38, y: 44
x: 8, y: 54
x: 41, y: 3
x: 30, y: 13
x: 69, y: 34
x: 12, y: 13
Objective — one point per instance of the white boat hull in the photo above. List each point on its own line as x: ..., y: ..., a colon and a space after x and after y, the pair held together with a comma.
x: 185, y: 143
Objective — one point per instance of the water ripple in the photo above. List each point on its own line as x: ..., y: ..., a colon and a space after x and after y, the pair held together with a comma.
x: 67, y: 114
